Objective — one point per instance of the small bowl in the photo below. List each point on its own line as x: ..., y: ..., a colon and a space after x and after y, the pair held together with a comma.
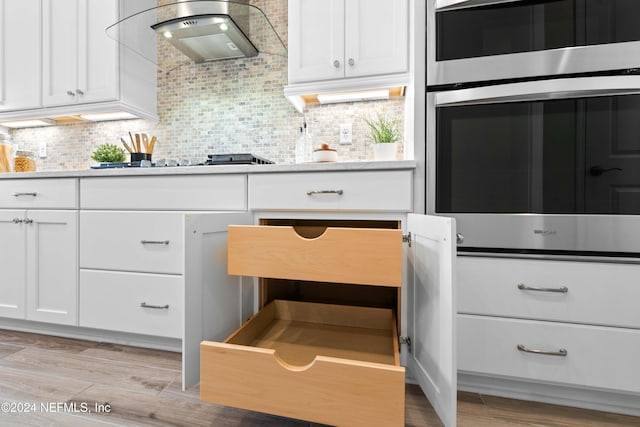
x: 325, y: 154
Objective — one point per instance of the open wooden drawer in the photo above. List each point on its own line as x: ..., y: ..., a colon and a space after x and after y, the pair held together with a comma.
x: 324, y: 363
x: 367, y: 256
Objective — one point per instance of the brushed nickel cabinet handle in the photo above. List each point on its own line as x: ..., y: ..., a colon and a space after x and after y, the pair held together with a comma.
x: 312, y: 192
x: 71, y: 93
x: 154, y: 242
x: 17, y: 221
x: 561, y: 289
x: 28, y: 221
x: 24, y: 194
x: 336, y: 64
x: 352, y: 62
x: 560, y: 352
x: 156, y: 307
x: 79, y: 92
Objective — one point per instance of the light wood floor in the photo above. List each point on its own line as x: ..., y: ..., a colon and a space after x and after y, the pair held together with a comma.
x: 142, y: 388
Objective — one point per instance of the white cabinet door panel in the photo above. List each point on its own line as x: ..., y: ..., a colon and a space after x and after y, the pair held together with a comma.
x: 532, y: 289
x: 376, y: 34
x: 13, y: 255
x: 432, y: 310
x: 149, y: 304
x: 316, y: 40
x: 599, y: 357
x: 217, y: 302
x: 52, y: 266
x: 59, y: 51
x: 97, y: 52
x: 20, y: 66
x: 132, y: 241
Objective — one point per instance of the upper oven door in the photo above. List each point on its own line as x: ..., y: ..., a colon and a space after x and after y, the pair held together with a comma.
x: 485, y: 40
x: 539, y: 165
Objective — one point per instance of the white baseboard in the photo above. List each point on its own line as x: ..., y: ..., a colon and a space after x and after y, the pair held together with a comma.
x: 599, y: 400
x: 98, y: 335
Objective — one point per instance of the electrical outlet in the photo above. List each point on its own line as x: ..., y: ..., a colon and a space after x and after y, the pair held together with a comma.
x: 346, y: 133
x: 42, y: 150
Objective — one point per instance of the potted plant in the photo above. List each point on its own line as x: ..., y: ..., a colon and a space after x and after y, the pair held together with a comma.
x: 108, y: 153
x: 385, y: 136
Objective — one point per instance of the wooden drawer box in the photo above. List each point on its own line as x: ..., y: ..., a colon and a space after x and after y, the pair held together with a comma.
x: 354, y: 191
x: 596, y: 293
x: 39, y: 193
x: 132, y: 241
x: 323, y: 363
x: 197, y: 192
x: 598, y: 357
x: 147, y: 304
x: 365, y: 256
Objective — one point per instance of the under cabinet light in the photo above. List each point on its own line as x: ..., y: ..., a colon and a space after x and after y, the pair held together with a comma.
x: 366, y: 95
x: 28, y: 123
x: 100, y: 117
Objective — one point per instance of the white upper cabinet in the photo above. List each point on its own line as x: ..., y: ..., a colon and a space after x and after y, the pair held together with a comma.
x: 66, y: 64
x: 19, y: 61
x: 335, y: 39
x: 80, y: 61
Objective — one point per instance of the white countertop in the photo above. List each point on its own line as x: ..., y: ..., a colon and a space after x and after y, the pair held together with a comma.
x: 217, y: 169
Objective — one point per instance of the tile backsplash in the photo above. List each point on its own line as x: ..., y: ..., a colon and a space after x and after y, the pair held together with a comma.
x: 219, y: 107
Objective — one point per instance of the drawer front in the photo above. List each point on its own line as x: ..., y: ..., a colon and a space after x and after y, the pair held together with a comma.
x: 357, y: 191
x: 364, y: 256
x: 205, y: 192
x: 324, y: 389
x: 114, y: 301
x: 39, y: 194
x: 599, y: 357
x: 132, y: 241
x: 596, y: 293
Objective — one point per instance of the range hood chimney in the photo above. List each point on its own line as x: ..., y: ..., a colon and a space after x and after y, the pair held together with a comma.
x: 208, y: 31
x: 203, y: 30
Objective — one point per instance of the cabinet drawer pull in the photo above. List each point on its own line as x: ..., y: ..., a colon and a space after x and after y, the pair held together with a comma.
x: 27, y: 221
x: 312, y: 192
x: 561, y: 352
x: 154, y: 242
x: 17, y: 221
x: 561, y: 289
x: 71, y: 93
x: 25, y: 194
x: 336, y: 64
x: 157, y: 307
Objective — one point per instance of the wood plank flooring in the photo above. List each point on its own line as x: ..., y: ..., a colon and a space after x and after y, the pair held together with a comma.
x: 142, y: 388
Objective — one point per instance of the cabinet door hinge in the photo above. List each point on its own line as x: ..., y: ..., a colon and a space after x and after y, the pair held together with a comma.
x: 405, y: 340
x: 406, y: 238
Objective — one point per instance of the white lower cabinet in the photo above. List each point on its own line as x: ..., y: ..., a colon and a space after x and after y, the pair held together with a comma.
x: 140, y: 303
x: 566, y: 325
x: 39, y: 260
x: 561, y: 353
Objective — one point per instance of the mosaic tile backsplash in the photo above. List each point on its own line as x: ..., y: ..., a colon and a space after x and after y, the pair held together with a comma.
x: 219, y: 107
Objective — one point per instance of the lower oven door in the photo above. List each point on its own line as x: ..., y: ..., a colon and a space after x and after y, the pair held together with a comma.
x: 547, y: 165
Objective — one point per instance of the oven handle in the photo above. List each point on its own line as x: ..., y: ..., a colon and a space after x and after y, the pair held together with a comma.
x: 579, y: 87
x: 442, y: 5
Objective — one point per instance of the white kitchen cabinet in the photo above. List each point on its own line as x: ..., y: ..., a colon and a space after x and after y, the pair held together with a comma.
x: 13, y: 264
x: 76, y: 68
x: 563, y: 332
x: 80, y: 60
x: 40, y: 264
x: 424, y: 303
x: 52, y: 266
x: 140, y: 303
x: 20, y: 63
x: 337, y: 39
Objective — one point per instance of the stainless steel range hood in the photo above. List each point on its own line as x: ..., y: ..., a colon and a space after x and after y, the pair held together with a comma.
x: 209, y: 33
x: 203, y: 30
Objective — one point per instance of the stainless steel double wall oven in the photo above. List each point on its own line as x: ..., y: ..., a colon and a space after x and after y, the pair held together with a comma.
x: 533, y: 124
